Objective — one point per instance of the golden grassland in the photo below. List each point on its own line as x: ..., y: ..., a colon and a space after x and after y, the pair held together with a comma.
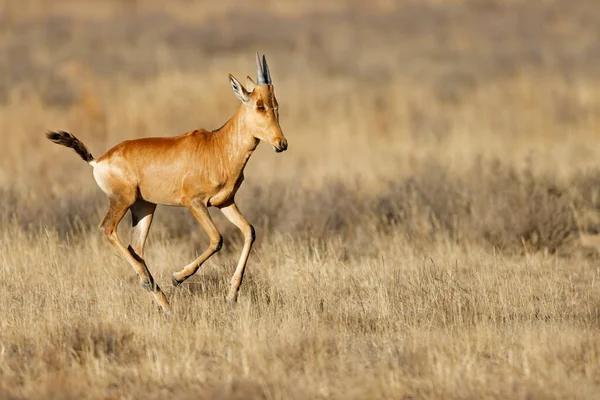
x: 421, y: 238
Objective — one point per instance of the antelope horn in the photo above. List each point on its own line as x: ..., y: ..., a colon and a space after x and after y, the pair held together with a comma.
x: 259, y: 71
x: 266, y: 70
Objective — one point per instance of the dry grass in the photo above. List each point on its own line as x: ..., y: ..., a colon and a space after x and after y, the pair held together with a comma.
x: 419, y: 239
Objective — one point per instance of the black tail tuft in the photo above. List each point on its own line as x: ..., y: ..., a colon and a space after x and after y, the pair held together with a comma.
x: 66, y: 139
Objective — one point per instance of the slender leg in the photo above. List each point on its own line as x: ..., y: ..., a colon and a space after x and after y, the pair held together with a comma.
x: 200, y: 211
x: 234, y: 215
x: 118, y: 208
x: 141, y: 220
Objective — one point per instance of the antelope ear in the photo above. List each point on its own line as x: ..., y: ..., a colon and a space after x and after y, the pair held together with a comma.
x: 250, y: 85
x: 239, y: 91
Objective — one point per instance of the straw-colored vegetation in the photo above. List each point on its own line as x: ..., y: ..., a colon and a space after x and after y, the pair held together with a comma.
x: 421, y: 238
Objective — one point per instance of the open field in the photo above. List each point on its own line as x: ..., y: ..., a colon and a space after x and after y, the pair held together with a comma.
x: 421, y: 238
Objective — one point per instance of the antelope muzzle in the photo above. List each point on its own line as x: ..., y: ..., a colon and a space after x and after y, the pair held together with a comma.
x: 280, y: 145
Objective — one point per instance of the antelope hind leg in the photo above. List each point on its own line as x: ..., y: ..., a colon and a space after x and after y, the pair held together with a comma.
x: 117, y: 209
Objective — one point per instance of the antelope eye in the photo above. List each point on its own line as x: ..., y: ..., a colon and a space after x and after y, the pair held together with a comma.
x: 260, y: 107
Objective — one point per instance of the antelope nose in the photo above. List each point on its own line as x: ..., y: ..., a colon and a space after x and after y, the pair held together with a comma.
x: 282, y: 145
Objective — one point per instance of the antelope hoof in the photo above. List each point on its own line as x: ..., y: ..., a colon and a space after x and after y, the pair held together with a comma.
x: 148, y: 286
x: 175, y: 281
x: 231, y: 299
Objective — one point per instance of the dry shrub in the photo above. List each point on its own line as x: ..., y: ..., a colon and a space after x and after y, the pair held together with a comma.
x: 491, y: 203
x: 515, y: 208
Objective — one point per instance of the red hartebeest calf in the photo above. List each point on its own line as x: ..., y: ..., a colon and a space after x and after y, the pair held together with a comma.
x: 197, y: 170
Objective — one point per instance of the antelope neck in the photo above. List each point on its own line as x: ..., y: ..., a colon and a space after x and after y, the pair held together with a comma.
x: 239, y: 143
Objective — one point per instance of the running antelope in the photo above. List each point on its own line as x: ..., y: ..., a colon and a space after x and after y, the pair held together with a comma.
x: 198, y: 169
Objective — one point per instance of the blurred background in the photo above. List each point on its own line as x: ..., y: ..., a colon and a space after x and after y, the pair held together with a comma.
x: 422, y: 237
x: 384, y: 103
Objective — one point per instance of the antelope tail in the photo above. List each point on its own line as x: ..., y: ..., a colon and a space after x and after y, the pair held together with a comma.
x: 66, y: 139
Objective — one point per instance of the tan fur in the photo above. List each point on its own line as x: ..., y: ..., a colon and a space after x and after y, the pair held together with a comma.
x: 197, y: 170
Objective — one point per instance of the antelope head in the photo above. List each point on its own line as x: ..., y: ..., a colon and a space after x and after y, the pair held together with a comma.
x: 260, y: 106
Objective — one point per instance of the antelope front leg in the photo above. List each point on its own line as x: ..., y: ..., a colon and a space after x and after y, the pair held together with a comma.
x: 216, y: 241
x: 234, y: 215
